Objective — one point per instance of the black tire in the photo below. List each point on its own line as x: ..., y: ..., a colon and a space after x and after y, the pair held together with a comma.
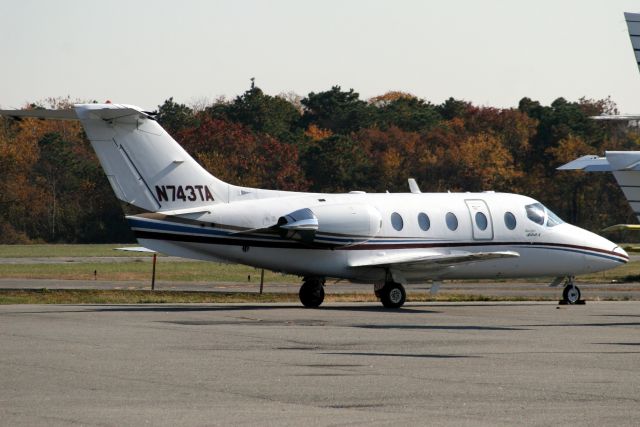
x: 393, y: 295
x: 571, y: 294
x: 311, y: 294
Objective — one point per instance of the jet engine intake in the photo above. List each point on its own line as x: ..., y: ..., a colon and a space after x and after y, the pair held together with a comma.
x: 348, y: 224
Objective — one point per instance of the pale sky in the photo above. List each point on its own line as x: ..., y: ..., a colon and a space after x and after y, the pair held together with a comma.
x: 491, y: 52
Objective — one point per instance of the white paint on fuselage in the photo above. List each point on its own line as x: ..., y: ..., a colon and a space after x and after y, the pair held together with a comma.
x: 561, y: 250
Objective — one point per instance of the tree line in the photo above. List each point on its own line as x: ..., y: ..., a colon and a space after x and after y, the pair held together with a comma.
x: 52, y: 188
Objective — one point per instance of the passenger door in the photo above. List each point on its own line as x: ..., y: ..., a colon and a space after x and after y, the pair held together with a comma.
x: 481, y: 221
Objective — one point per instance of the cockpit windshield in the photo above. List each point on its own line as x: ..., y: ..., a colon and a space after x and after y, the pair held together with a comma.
x: 539, y: 214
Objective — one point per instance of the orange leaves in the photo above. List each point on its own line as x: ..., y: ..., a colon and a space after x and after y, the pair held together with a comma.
x: 237, y: 155
x: 389, y: 97
x: 569, y: 148
x: 316, y: 133
x: 484, y: 163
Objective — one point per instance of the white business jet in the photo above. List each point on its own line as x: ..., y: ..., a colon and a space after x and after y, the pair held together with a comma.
x: 390, y: 240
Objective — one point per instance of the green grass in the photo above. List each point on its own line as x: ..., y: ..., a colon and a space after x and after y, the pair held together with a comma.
x: 38, y: 251
x: 66, y: 296
x: 188, y: 271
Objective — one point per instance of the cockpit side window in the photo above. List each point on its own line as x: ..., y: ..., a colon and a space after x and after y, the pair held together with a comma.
x: 535, y: 212
x: 539, y: 214
x: 553, y: 219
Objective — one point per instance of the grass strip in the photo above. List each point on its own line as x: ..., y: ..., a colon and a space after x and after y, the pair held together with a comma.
x: 65, y: 250
x: 88, y: 296
x: 188, y: 271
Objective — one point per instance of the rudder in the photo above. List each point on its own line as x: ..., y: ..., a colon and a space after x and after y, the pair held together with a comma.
x: 145, y: 166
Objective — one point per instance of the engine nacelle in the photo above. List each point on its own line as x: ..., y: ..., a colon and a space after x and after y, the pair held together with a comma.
x: 343, y: 224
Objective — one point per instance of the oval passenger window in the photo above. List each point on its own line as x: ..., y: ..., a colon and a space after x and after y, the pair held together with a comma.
x: 423, y: 221
x: 510, y: 220
x: 481, y: 221
x: 397, y: 221
x: 452, y: 221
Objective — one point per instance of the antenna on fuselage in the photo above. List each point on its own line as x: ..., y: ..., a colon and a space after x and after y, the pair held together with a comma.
x: 413, y: 186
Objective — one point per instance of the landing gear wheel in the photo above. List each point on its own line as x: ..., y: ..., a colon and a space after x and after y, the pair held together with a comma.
x: 311, y: 293
x: 571, y: 294
x: 393, y: 295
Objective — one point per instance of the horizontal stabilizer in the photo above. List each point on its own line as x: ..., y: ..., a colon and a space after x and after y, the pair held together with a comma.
x: 112, y: 112
x: 41, y: 114
x: 588, y: 163
x: 612, y: 161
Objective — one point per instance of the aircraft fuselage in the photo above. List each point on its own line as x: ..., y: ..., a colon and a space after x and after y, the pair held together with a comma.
x: 454, y: 222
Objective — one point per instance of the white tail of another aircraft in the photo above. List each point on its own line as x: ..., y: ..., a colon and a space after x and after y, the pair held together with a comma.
x: 145, y: 166
x: 633, y: 25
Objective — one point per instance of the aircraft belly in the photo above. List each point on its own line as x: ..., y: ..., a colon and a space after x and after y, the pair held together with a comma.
x: 303, y: 262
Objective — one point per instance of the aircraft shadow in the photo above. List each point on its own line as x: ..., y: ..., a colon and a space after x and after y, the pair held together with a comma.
x: 217, y: 308
x: 410, y: 355
x: 443, y: 327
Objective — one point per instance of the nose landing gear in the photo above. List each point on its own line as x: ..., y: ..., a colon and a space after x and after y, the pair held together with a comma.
x: 571, y: 293
x: 391, y: 294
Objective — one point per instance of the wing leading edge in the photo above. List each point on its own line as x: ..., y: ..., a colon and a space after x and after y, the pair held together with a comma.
x: 429, y: 260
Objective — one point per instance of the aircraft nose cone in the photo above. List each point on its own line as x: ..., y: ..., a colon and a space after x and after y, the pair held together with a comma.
x: 621, y: 253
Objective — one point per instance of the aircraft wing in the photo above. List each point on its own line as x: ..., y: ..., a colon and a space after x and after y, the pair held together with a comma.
x: 135, y: 249
x: 616, y: 117
x: 619, y: 227
x: 430, y: 260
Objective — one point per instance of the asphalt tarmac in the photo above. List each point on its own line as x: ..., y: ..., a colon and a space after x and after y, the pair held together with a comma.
x: 505, y: 289
x: 342, y: 364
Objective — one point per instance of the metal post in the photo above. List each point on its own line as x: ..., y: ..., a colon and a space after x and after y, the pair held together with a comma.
x: 261, y: 280
x: 153, y: 274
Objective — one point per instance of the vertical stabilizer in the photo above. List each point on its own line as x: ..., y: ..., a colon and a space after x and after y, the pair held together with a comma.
x: 145, y: 166
x: 633, y: 24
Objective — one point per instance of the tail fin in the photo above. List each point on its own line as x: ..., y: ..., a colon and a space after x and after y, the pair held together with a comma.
x: 625, y: 166
x: 145, y: 166
x: 633, y: 25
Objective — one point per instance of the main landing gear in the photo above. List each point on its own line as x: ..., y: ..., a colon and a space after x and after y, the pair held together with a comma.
x: 391, y: 294
x: 571, y: 293
x: 312, y: 292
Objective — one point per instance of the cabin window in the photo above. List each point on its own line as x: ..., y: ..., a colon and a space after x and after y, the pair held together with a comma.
x: 423, y: 221
x: 452, y: 221
x: 396, y: 221
x: 481, y: 221
x: 510, y: 220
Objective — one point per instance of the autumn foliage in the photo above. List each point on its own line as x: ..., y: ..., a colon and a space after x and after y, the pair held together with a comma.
x: 52, y: 188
